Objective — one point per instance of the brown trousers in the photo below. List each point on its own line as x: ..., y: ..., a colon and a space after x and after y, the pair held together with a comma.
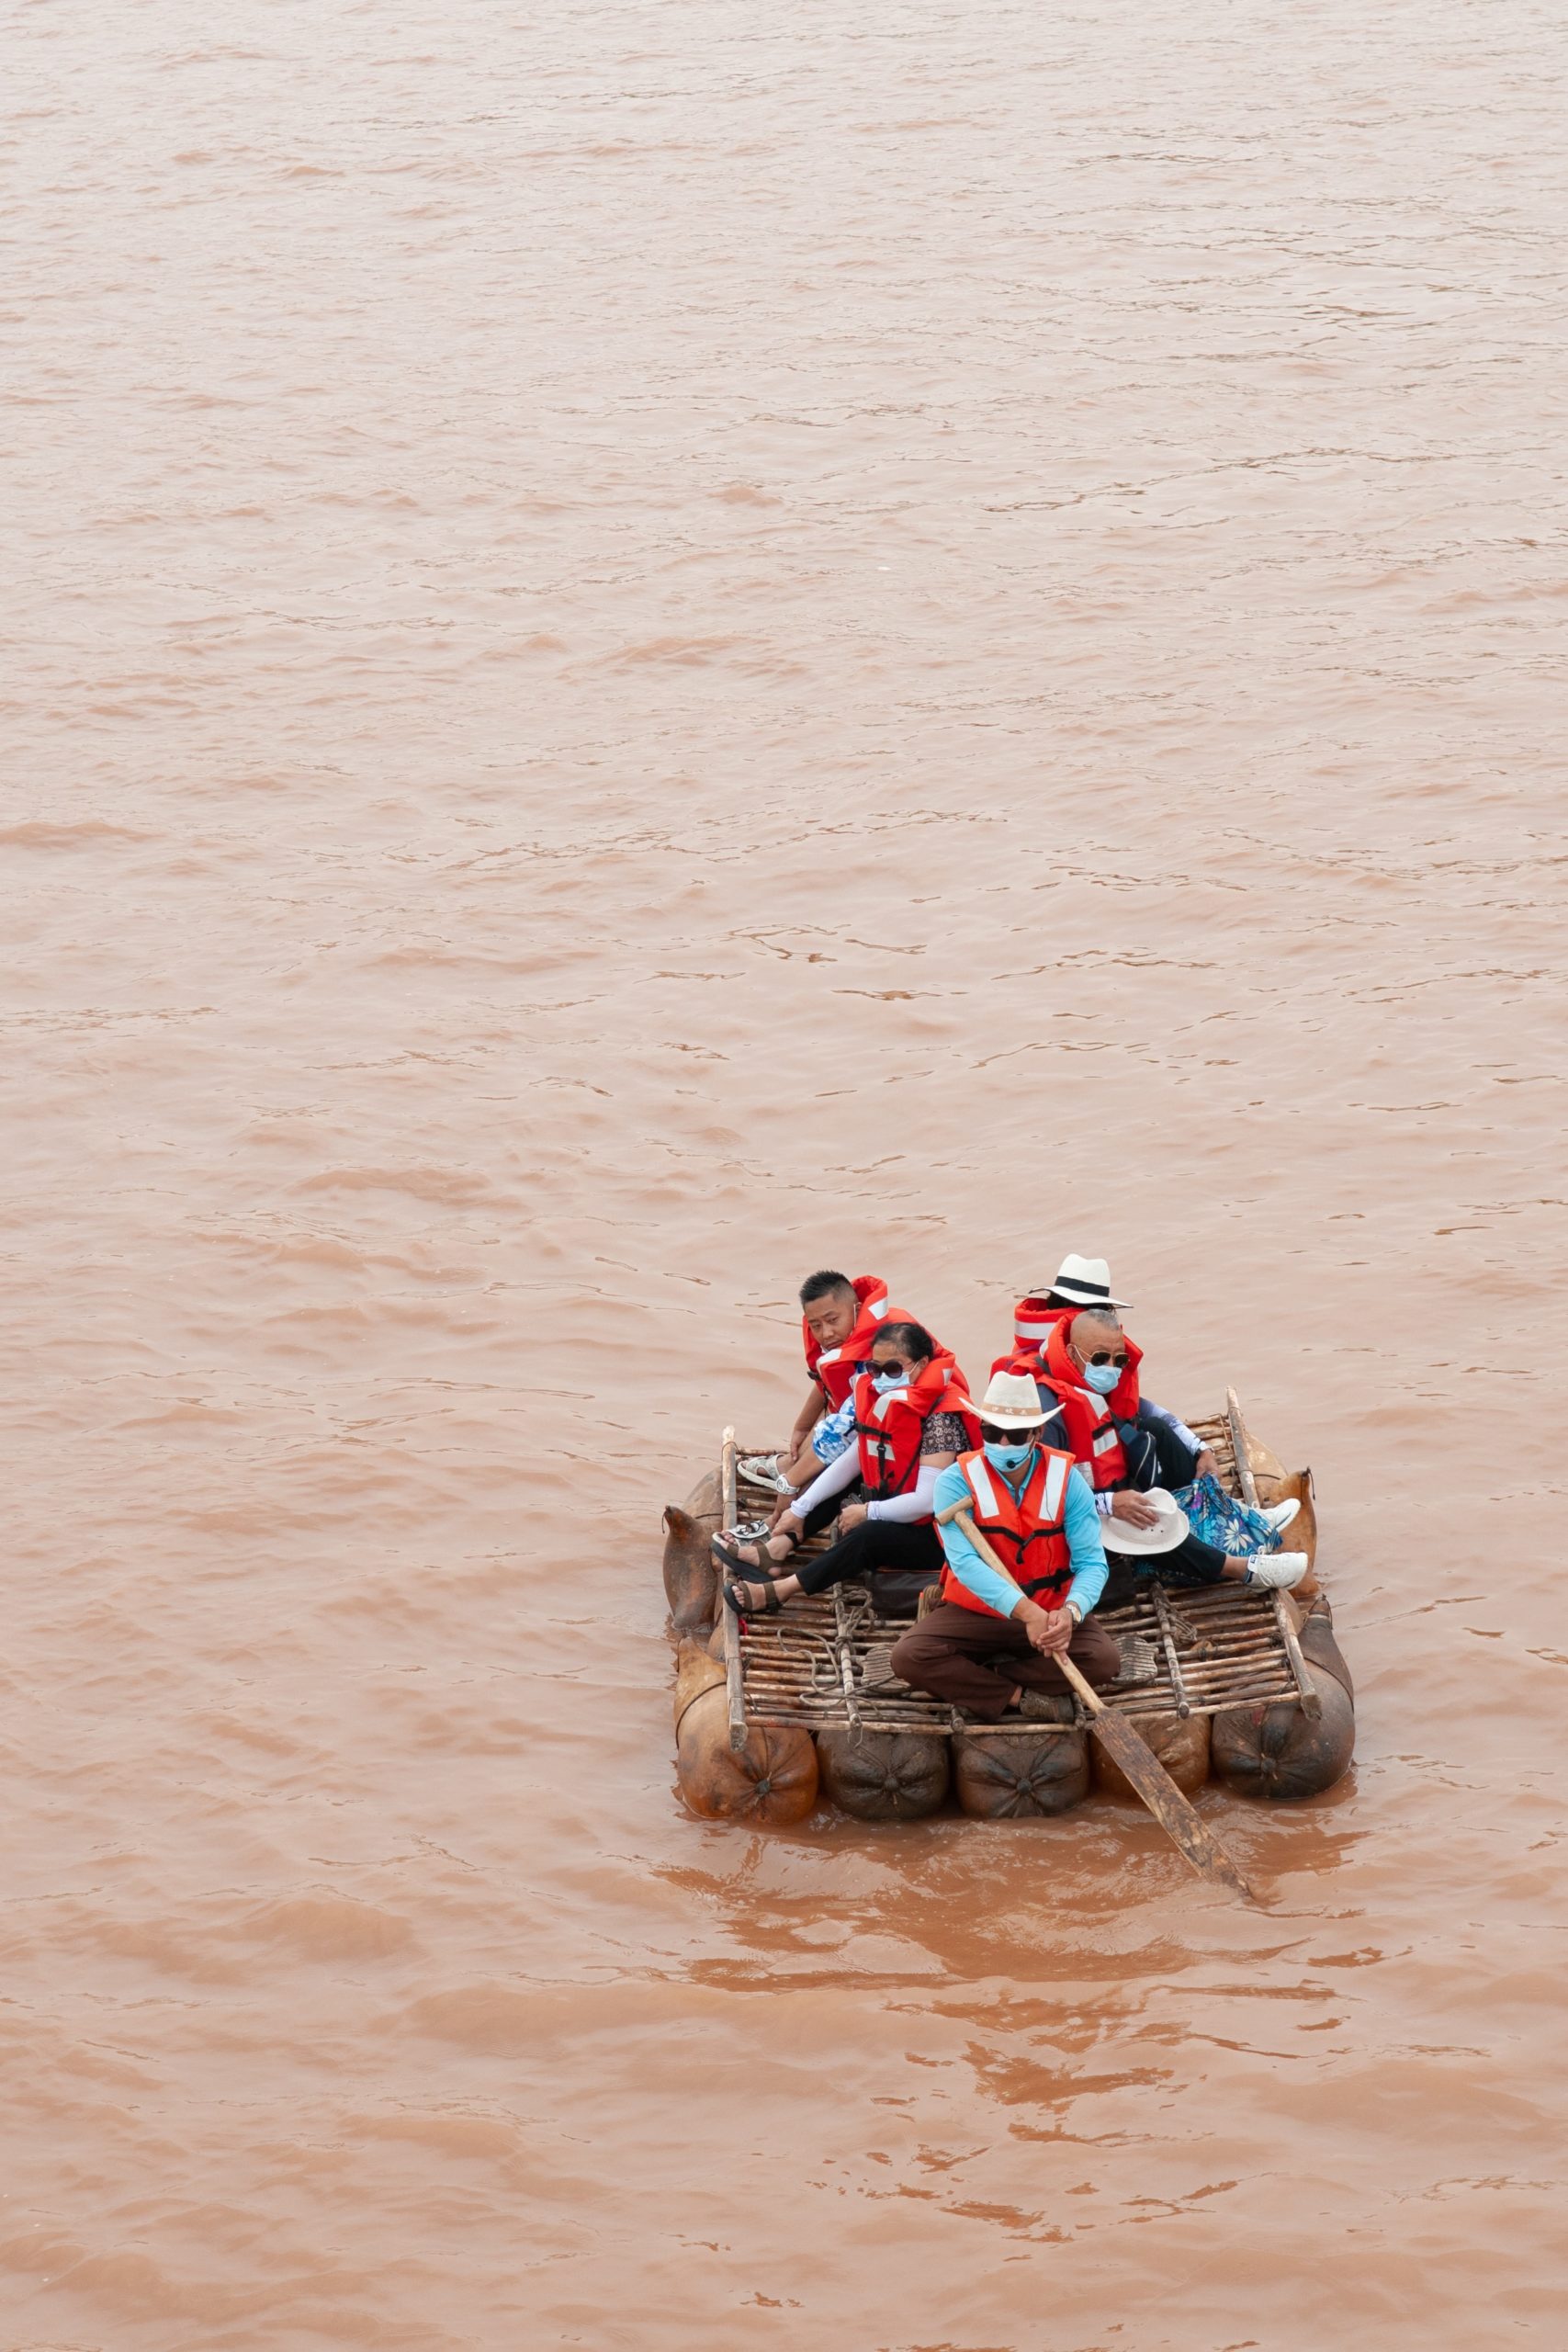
x: 979, y: 1662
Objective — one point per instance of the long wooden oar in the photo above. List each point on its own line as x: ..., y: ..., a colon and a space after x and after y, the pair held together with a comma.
x: 1126, y: 1745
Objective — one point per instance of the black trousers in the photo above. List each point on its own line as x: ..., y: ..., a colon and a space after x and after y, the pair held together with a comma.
x: 1156, y: 1457
x: 912, y: 1552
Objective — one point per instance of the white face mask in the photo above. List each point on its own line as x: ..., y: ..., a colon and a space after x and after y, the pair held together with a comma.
x: 1102, y: 1377
x: 886, y: 1382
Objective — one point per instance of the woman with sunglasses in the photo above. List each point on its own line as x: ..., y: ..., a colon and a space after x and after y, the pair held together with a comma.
x: 913, y: 1415
x: 1088, y: 1382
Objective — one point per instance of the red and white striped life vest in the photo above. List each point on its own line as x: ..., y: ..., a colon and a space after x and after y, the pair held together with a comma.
x: 1032, y: 1324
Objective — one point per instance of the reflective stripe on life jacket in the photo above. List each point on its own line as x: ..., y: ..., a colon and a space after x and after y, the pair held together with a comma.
x: 1027, y: 1532
x: 1032, y: 1324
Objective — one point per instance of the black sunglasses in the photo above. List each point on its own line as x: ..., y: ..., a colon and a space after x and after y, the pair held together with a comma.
x: 995, y: 1436
x: 1103, y: 1355
x: 892, y: 1364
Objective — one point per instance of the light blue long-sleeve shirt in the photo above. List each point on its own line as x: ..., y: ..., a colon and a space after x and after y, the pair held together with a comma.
x: 1080, y: 1523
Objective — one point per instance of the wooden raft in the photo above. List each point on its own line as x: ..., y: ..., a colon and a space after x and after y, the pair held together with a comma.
x: 1213, y: 1646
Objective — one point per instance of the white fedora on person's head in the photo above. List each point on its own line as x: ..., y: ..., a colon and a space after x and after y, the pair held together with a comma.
x: 1121, y: 1536
x: 1012, y: 1402
x: 1087, y: 1282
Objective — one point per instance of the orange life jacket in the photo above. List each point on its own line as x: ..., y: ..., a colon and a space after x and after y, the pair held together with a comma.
x: 1032, y: 1324
x: 890, y: 1428
x: 1027, y: 1532
x: 1091, y: 1419
x: 835, y: 1369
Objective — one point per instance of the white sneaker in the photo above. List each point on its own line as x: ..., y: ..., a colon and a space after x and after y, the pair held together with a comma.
x: 762, y: 1470
x: 1276, y: 1572
x: 1279, y: 1515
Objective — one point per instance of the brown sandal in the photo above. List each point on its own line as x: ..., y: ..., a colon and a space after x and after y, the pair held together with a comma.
x: 761, y: 1567
x: 769, y: 1606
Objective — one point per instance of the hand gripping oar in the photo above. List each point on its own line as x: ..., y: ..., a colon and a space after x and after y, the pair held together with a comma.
x: 1126, y: 1745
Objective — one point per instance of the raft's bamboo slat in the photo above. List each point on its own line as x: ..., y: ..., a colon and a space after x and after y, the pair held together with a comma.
x: 1264, y: 1691
x: 1258, y: 1674
x: 1224, y: 1657
x: 1229, y: 1674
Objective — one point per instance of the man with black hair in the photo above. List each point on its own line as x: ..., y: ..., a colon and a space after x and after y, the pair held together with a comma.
x: 838, y: 1324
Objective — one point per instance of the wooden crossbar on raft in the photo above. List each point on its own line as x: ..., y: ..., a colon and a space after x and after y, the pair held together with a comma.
x: 734, y: 1668
x: 1215, y: 1646
x: 1306, y: 1690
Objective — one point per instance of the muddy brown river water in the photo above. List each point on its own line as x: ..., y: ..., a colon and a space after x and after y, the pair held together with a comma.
x: 643, y: 648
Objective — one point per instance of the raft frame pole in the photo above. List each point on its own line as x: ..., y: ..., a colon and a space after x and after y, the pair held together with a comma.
x: 846, y: 1671
x: 1167, y: 1642
x: 1311, y: 1699
x: 735, y: 1679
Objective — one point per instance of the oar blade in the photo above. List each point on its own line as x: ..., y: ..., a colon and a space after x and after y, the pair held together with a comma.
x: 1126, y: 1745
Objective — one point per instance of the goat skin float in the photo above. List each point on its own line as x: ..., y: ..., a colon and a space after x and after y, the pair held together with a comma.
x: 883, y: 1775
x: 1280, y: 1753
x: 1181, y: 1745
x: 769, y: 1782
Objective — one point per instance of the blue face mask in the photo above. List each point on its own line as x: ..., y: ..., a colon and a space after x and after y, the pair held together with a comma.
x: 1103, y: 1377
x: 886, y: 1382
x: 1008, y: 1457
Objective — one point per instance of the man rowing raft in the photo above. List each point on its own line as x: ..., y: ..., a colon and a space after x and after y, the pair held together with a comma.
x: 990, y: 1645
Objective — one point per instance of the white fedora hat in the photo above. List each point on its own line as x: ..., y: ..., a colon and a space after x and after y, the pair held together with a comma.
x: 1087, y: 1282
x: 1012, y: 1402
x: 1121, y: 1536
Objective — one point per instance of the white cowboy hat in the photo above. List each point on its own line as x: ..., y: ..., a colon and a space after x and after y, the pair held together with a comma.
x: 1012, y: 1402
x: 1121, y: 1536
x: 1087, y: 1282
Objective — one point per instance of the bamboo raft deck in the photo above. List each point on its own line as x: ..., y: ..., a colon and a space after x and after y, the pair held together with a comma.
x: 1213, y: 1648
